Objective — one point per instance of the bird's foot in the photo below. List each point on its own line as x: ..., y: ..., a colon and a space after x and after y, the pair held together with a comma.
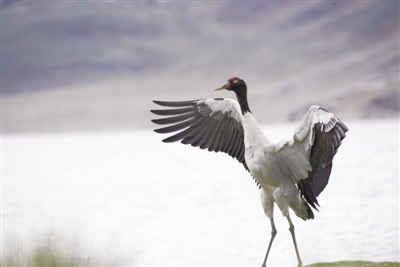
x: 300, y: 264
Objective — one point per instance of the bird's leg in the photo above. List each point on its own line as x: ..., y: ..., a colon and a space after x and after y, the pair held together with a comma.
x: 291, y: 229
x: 273, y: 234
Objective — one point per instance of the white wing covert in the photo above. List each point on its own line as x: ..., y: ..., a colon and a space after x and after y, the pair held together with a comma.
x: 213, y: 124
x: 306, y: 156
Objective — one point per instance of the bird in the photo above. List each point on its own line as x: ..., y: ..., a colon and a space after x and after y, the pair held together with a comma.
x: 290, y: 173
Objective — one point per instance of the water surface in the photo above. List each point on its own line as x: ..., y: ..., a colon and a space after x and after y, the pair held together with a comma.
x: 130, y: 197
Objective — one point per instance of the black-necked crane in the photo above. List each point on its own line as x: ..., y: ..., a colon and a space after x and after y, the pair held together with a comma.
x: 291, y: 172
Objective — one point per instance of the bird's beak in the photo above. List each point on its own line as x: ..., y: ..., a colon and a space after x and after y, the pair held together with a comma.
x: 225, y: 86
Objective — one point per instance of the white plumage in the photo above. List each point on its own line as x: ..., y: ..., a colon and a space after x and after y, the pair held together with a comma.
x: 290, y: 173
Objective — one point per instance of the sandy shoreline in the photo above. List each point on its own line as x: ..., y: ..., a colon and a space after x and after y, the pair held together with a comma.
x: 124, y: 104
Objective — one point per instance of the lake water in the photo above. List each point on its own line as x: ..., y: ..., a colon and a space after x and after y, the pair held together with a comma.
x: 128, y: 197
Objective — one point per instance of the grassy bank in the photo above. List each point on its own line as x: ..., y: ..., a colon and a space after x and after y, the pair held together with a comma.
x: 49, y: 253
x: 43, y: 257
x: 355, y: 264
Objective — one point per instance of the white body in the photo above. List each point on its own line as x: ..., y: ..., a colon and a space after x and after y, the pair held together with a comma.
x: 276, y: 186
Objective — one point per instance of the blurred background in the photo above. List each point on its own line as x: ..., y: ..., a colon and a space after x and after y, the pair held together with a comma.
x: 97, y: 65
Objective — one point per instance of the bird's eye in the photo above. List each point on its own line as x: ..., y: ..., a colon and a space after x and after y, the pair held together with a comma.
x: 235, y: 81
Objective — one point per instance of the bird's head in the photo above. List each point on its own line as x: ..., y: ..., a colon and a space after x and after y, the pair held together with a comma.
x: 234, y: 84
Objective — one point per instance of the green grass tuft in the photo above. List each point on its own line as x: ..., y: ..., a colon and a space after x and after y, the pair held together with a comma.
x: 355, y: 264
x: 48, y: 253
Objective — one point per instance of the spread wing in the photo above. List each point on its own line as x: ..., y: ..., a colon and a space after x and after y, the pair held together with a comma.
x: 307, y: 155
x: 213, y: 124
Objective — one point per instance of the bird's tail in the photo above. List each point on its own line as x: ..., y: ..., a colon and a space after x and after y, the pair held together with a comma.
x: 305, y: 212
x: 309, y: 211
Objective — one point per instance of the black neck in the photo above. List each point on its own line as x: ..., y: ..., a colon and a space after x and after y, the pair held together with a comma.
x: 242, y: 99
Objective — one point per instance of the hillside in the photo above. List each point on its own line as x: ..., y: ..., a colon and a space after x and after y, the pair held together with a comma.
x: 97, y: 65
